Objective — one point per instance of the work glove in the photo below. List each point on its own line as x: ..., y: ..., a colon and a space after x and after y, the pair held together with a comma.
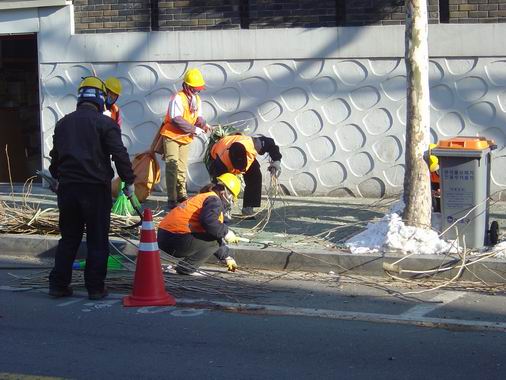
x: 231, y: 237
x: 201, y: 123
x: 129, y: 190
x: 231, y: 264
x: 275, y: 168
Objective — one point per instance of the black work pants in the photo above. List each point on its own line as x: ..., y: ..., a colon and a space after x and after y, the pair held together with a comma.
x: 83, y: 205
x: 253, y: 186
x: 195, y: 250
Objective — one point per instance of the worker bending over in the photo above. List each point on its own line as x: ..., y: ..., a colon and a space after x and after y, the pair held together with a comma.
x: 195, y: 229
x: 236, y: 154
x: 183, y: 121
x: 83, y: 142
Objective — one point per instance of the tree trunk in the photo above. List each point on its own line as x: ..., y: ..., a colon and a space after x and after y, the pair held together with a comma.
x: 417, y: 195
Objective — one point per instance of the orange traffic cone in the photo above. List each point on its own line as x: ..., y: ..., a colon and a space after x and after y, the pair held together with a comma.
x: 149, y: 285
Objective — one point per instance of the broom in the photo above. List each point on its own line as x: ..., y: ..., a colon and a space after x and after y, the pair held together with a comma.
x: 124, y: 206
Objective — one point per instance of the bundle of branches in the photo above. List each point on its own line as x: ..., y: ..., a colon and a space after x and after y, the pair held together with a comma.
x: 219, y: 131
x: 31, y: 218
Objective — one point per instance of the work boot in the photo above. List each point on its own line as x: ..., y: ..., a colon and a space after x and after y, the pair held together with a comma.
x: 94, y: 295
x: 57, y: 292
x: 185, y: 272
x: 248, y: 212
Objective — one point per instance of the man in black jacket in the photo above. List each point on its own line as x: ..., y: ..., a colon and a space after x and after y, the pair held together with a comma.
x: 83, y: 142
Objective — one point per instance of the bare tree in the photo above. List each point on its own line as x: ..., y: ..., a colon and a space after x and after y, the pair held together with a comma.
x: 416, y: 181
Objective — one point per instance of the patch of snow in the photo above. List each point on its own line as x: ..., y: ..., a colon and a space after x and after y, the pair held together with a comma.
x: 398, y: 207
x: 390, y: 233
x: 499, y: 250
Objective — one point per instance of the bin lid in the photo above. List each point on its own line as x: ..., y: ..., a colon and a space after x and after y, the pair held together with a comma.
x: 467, y: 143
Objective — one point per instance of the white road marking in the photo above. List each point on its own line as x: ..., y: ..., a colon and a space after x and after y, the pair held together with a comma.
x: 99, y: 305
x: 436, y: 302
x: 76, y: 300
x: 187, y: 312
x: 411, y: 317
x: 13, y: 289
x: 155, y: 309
x: 258, y: 309
x: 172, y: 310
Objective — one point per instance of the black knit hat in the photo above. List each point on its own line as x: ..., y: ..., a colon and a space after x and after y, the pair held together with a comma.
x: 237, y: 154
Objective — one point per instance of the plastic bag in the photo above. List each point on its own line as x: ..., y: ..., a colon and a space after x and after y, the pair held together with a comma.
x: 147, y: 175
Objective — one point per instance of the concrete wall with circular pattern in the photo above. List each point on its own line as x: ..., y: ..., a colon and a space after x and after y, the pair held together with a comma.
x: 340, y: 123
x: 336, y: 107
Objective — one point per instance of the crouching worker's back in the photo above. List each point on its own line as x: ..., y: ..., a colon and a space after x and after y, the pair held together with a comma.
x: 195, y: 229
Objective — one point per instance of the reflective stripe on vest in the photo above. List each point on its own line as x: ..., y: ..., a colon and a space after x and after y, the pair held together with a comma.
x: 174, y: 133
x: 220, y: 149
x: 185, y: 218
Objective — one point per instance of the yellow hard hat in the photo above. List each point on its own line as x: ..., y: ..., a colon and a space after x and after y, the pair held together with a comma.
x: 93, y: 82
x: 93, y: 90
x: 113, y: 84
x: 231, y: 182
x: 433, y: 160
x: 433, y: 163
x: 194, y: 78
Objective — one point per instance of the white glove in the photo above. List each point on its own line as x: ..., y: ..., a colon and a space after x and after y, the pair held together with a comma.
x: 129, y: 190
x: 230, y: 237
x: 199, y: 131
x: 275, y: 168
x: 231, y: 264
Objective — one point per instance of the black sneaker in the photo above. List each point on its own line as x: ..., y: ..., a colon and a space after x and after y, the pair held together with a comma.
x: 60, y: 292
x: 182, y: 199
x: 94, y: 296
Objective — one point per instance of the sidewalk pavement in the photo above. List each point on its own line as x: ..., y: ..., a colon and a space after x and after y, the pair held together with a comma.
x: 298, y: 234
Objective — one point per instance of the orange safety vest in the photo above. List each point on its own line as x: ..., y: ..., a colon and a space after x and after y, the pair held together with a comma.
x: 220, y: 149
x: 434, y: 177
x: 174, y: 133
x: 185, y: 218
x: 115, y: 114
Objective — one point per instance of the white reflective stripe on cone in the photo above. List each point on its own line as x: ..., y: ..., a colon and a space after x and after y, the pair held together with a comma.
x: 148, y: 247
x: 148, y: 225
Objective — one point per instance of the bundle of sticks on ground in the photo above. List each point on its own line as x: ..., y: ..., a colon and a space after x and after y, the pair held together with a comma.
x: 23, y: 214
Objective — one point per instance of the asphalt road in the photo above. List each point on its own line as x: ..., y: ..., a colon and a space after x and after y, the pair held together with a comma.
x: 306, y: 327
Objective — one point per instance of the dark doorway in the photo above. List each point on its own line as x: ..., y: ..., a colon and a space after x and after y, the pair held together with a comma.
x: 20, y: 135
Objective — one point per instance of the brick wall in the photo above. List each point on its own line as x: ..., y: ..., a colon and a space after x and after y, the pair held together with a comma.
x: 477, y: 11
x: 199, y: 14
x: 291, y: 13
x: 92, y: 16
x: 99, y: 16
x: 383, y: 12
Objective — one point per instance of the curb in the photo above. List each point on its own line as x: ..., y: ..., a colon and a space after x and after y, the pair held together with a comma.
x: 257, y: 256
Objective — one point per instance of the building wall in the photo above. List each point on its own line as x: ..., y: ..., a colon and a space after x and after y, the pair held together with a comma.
x: 103, y: 16
x: 332, y: 98
x: 477, y: 11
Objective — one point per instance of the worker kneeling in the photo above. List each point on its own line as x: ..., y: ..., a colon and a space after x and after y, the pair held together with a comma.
x: 195, y: 229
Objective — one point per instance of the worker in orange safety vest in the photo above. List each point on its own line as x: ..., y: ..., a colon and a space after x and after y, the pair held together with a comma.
x: 434, y: 180
x: 195, y: 229
x: 113, y: 86
x: 237, y: 154
x: 183, y: 121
